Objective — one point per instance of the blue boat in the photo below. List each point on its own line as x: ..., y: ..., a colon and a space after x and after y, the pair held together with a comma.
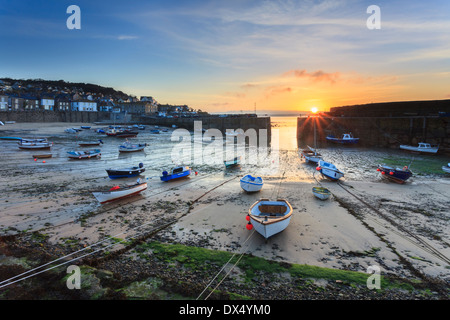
x: 329, y: 170
x: 347, y: 138
x: 10, y: 138
x: 395, y: 174
x: 176, y: 173
x: 125, y: 172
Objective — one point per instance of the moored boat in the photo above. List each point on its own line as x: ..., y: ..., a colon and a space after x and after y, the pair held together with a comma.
x: 270, y: 217
x: 117, y: 192
x: 329, y: 170
x: 42, y: 156
x: 446, y: 168
x: 421, y: 148
x: 251, y: 184
x: 346, y: 138
x: 33, y: 144
x: 321, y: 193
x: 310, y: 155
x: 176, y: 173
x: 233, y: 162
x: 125, y: 172
x: 79, y: 155
x: 90, y: 143
x: 127, y: 146
x: 395, y: 174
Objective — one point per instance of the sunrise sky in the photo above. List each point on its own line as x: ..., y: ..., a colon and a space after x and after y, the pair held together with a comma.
x: 232, y: 55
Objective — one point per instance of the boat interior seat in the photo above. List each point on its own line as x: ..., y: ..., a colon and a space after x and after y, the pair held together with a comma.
x: 272, y: 210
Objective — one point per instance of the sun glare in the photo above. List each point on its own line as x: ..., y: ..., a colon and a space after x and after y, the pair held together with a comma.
x: 314, y: 110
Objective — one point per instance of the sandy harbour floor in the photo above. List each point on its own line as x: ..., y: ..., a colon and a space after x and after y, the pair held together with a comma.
x: 364, y: 214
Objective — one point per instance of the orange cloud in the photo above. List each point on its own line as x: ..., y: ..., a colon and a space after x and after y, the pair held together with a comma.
x: 318, y: 75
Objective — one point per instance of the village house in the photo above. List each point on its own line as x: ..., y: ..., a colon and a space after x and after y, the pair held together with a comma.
x: 3, y: 102
x: 139, y: 107
x: 48, y: 104
x: 84, y: 105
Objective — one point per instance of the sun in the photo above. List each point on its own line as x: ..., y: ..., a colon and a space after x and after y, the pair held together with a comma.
x: 314, y: 110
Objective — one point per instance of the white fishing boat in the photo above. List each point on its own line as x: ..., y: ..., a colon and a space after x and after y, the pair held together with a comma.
x: 33, y: 144
x: 446, y: 168
x: 251, y: 184
x: 90, y: 154
x: 127, y: 146
x: 321, y: 193
x: 117, y: 192
x: 421, y: 148
x: 329, y: 170
x: 270, y: 217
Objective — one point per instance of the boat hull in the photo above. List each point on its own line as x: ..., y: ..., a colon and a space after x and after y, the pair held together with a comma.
x: 343, y: 141
x: 321, y: 193
x: 273, y: 221
x: 114, y: 195
x: 175, y: 176
x: 251, y: 184
x: 124, y: 173
x: 133, y: 148
x: 76, y: 155
x: 329, y: 171
x: 393, y: 174
x: 231, y: 163
x: 419, y: 150
x: 42, y: 156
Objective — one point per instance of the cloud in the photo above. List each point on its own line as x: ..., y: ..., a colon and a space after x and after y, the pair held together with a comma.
x: 126, y: 37
x: 318, y: 75
x: 276, y: 90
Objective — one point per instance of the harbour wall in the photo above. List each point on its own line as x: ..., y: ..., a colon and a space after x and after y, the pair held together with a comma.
x: 211, y: 122
x: 385, y: 132
x: 54, y: 116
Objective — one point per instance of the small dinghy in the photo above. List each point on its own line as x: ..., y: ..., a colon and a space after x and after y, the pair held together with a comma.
x: 125, y: 172
x: 31, y: 144
x: 117, y: 192
x: 310, y: 155
x: 42, y: 156
x: 127, y: 146
x: 329, y: 170
x: 79, y: 155
x: 395, y: 174
x: 251, y: 184
x: 233, y: 162
x: 90, y: 143
x: 446, y: 168
x: 321, y: 193
x: 176, y: 173
x: 270, y: 217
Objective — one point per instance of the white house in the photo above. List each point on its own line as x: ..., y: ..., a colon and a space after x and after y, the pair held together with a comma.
x: 3, y: 103
x: 48, y: 104
x: 84, y: 105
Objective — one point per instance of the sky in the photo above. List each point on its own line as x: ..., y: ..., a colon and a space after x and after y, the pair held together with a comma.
x: 236, y: 55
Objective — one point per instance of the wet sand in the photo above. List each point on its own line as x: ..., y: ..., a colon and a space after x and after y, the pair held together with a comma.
x: 209, y: 209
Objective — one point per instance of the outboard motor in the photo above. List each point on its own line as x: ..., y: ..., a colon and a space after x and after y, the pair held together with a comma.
x: 141, y: 165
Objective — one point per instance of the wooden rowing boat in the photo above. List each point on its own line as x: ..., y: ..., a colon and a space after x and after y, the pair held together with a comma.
x: 270, y: 217
x: 117, y: 192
